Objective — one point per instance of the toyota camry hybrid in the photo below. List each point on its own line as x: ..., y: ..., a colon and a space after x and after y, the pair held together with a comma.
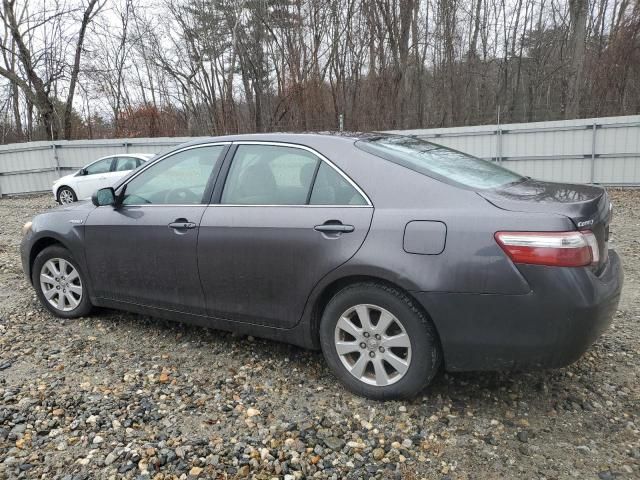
x: 395, y: 256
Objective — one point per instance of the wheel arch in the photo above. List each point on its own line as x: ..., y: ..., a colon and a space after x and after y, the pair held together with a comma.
x: 330, y: 290
x: 38, y: 246
x: 64, y: 185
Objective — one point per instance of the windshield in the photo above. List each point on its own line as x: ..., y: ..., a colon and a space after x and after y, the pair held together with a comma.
x: 439, y: 162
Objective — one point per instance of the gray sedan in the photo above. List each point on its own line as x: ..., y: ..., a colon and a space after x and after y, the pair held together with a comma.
x: 395, y: 256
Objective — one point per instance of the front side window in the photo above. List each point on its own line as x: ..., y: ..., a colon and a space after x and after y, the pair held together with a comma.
x: 269, y: 175
x: 180, y: 178
x: 101, y: 166
x: 331, y: 188
x: 439, y: 162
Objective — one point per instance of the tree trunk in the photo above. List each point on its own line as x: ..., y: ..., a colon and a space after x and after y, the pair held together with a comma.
x: 73, y: 79
x: 578, y: 11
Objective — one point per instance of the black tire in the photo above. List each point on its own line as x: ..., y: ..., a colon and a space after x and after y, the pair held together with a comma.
x: 425, y: 347
x: 58, y: 252
x: 66, y: 190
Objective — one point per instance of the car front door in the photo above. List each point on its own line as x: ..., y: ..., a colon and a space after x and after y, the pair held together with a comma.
x: 144, y: 250
x: 273, y: 233
x: 94, y: 177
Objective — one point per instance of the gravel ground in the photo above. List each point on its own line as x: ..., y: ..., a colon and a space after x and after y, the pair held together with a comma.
x: 119, y: 395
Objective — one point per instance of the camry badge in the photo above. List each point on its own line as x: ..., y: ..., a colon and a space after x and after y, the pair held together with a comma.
x: 75, y: 221
x: 586, y: 223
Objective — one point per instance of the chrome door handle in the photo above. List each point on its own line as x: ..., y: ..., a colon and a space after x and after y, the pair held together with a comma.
x: 182, y: 225
x: 334, y: 228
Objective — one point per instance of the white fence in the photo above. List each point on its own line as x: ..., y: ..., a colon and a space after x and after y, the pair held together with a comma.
x: 599, y: 150
x: 596, y: 150
x: 34, y: 166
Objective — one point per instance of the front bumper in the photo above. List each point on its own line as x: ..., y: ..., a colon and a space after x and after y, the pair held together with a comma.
x: 25, y: 248
x: 552, y: 326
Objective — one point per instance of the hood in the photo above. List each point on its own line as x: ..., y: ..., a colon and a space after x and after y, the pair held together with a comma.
x: 79, y: 205
x: 79, y: 209
x: 62, y: 218
x: 65, y: 178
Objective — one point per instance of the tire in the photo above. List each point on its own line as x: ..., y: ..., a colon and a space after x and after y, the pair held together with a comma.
x: 61, y: 286
x: 66, y: 195
x: 420, y: 359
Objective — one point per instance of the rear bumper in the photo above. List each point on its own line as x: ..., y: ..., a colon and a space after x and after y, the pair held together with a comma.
x: 552, y: 326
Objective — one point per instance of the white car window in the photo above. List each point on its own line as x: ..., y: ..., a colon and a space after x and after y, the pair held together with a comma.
x: 125, y: 163
x: 101, y: 166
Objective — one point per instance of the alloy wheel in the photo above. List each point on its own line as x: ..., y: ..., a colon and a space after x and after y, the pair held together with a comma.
x: 61, y: 285
x: 66, y: 196
x: 373, y: 345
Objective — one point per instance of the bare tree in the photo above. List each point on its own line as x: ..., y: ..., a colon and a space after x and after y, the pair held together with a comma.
x: 222, y: 66
x: 41, y: 70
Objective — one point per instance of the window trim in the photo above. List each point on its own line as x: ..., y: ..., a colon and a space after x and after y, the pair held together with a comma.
x: 212, y: 180
x: 321, y: 157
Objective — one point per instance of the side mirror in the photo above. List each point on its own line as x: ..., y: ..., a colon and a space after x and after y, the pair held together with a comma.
x: 82, y: 171
x: 103, y: 197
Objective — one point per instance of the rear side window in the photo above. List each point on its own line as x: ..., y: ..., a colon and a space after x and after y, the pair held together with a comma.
x: 126, y: 163
x: 439, y: 162
x: 331, y: 188
x: 269, y: 175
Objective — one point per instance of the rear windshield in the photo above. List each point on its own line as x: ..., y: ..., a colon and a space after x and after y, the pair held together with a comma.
x: 439, y: 162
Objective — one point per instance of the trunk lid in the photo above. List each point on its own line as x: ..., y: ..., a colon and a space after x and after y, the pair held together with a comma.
x: 587, y: 206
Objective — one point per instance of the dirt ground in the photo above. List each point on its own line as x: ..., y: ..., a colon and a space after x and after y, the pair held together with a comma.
x: 119, y: 395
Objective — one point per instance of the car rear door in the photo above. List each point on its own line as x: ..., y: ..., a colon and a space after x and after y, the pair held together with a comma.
x: 283, y: 219
x: 144, y: 251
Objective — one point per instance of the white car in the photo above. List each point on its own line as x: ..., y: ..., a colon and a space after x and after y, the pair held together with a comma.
x: 104, y: 172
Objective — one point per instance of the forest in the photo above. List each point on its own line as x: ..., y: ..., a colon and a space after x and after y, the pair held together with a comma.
x: 137, y: 68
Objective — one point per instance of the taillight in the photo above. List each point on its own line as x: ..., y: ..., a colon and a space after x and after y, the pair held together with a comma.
x: 558, y: 249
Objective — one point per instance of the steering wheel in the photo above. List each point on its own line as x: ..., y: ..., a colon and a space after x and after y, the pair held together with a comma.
x: 181, y: 195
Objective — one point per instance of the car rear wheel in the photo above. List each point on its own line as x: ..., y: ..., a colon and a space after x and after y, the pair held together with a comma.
x: 66, y: 195
x: 59, y: 283
x: 378, y: 343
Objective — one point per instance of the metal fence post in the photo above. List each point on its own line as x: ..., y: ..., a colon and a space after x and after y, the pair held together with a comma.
x: 594, y: 129
x: 56, y: 160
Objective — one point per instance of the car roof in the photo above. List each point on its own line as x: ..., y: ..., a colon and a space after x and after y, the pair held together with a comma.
x: 141, y: 156
x: 296, y: 138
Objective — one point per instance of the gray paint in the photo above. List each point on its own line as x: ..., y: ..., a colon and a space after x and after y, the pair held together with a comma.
x: 425, y: 237
x: 262, y: 270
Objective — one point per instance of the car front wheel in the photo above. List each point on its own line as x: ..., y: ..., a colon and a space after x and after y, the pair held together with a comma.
x: 378, y: 342
x: 60, y: 285
x: 66, y: 195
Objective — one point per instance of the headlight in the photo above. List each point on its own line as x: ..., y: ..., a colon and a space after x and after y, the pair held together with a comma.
x: 26, y: 228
